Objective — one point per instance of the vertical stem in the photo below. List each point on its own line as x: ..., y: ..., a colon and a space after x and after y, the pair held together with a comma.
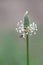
x: 27, y: 43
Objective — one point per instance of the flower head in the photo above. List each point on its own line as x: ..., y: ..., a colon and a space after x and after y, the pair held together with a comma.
x: 24, y: 28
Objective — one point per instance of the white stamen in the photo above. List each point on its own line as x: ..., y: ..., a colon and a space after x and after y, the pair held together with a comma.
x: 16, y: 29
x: 23, y: 35
x: 33, y: 23
x: 31, y: 31
x: 22, y: 29
x: 21, y: 21
x: 19, y: 27
x: 21, y: 24
x: 19, y: 31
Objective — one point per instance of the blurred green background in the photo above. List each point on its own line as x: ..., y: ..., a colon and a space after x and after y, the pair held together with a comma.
x: 12, y: 47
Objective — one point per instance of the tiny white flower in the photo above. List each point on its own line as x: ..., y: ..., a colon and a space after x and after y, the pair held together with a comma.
x: 35, y: 25
x: 16, y: 29
x: 31, y: 31
x: 22, y: 29
x: 22, y: 25
x: 21, y: 21
x: 19, y: 31
x: 23, y: 35
x: 19, y: 27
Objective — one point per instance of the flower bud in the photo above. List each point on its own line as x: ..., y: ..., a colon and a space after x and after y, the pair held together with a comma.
x: 26, y: 19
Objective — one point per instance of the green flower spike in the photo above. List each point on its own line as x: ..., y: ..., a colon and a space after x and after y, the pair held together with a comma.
x: 26, y: 20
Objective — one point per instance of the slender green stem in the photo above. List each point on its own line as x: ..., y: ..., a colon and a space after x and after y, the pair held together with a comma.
x: 27, y: 43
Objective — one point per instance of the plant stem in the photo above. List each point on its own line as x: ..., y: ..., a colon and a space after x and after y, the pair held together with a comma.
x: 27, y: 43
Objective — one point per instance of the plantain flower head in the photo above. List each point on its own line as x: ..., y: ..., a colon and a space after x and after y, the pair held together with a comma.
x: 24, y: 27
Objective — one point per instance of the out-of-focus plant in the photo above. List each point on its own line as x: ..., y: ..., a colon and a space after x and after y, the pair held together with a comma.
x: 25, y: 29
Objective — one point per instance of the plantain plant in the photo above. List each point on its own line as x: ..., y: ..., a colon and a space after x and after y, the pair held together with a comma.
x: 25, y: 29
